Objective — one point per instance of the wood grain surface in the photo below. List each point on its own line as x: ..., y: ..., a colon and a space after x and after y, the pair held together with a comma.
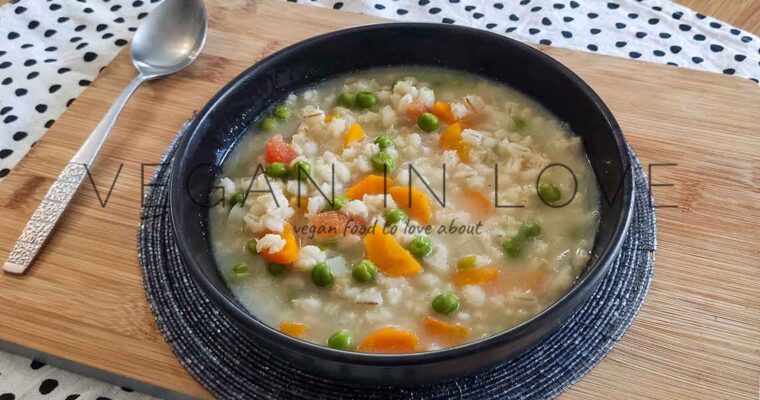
x: 744, y: 14
x: 698, y: 334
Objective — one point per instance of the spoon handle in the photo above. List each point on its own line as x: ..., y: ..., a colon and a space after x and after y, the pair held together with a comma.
x: 44, y: 219
x: 51, y: 208
x: 90, y: 148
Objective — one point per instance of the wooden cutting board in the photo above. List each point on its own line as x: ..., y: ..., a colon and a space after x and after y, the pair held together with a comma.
x: 698, y: 335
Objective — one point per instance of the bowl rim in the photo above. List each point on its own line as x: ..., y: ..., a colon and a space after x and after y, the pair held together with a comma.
x: 244, y: 317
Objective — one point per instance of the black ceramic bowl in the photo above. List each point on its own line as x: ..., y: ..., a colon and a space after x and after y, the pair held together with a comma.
x: 217, y: 128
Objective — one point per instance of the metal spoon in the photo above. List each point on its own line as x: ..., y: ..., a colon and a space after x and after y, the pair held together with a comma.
x: 169, y: 40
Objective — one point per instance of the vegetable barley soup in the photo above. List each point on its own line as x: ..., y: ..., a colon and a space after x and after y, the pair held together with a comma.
x: 325, y: 232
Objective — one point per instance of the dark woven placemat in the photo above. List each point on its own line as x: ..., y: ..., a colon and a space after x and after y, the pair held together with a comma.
x: 231, y: 364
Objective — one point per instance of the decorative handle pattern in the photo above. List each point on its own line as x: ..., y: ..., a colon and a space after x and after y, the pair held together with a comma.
x: 44, y: 219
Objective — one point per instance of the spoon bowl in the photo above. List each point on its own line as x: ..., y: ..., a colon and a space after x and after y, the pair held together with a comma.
x: 171, y: 38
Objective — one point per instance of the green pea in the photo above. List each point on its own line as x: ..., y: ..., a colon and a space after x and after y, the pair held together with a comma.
x: 366, y: 99
x: 530, y: 230
x: 445, y: 303
x: 421, y: 246
x: 281, y: 112
x: 338, y: 202
x: 384, y: 141
x: 267, y: 124
x: 250, y: 246
x: 237, y: 198
x: 276, y: 269
x: 394, y: 216
x: 383, y: 161
x: 428, y: 122
x: 549, y: 193
x: 304, y: 167
x: 347, y: 99
x: 520, y: 123
x: 240, y: 271
x: 277, y: 170
x: 321, y: 275
x: 512, y: 247
x: 364, y: 271
x: 340, y: 340
x: 467, y: 262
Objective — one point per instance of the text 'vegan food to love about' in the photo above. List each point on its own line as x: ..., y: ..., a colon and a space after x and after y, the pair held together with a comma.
x: 401, y: 210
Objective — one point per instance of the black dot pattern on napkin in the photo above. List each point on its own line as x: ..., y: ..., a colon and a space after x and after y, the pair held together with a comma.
x: 42, y: 41
x: 48, y: 385
x: 666, y: 33
x: 22, y: 379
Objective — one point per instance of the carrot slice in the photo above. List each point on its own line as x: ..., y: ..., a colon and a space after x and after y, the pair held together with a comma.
x: 289, y: 253
x: 450, y: 334
x: 418, y: 209
x: 451, y: 139
x: 476, y: 276
x: 296, y: 329
x: 390, y: 340
x: 370, y: 184
x: 355, y: 132
x: 328, y: 118
x: 442, y: 110
x: 295, y: 203
x: 476, y: 203
x: 414, y: 110
x: 389, y: 256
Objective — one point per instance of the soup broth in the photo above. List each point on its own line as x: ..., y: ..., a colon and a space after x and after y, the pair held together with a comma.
x: 403, y: 209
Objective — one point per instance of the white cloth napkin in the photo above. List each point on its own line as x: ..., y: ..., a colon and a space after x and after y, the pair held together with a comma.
x: 50, y: 51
